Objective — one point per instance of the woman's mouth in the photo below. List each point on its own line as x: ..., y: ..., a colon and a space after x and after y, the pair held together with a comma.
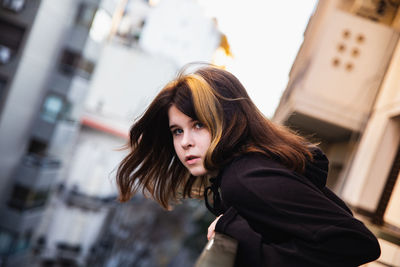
x: 192, y: 159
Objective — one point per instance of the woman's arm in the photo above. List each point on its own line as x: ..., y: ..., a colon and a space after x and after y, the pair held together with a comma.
x: 268, y: 201
x: 341, y: 246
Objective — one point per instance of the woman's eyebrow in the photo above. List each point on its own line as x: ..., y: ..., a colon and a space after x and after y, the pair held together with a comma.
x: 174, y: 125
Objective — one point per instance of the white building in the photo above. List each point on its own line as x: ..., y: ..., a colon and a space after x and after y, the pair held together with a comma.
x: 127, y: 77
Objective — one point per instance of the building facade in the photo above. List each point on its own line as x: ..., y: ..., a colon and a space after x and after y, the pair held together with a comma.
x: 44, y: 75
x: 344, y: 92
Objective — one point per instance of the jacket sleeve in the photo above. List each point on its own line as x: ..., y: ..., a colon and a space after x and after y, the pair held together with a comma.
x: 265, y: 200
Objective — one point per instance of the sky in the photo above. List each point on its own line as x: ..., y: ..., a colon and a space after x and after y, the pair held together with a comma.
x: 265, y: 37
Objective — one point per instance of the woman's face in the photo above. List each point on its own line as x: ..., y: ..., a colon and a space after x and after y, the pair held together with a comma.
x: 191, y: 140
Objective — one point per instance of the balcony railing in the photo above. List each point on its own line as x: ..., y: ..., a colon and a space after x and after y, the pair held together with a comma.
x: 219, y: 251
x: 37, y: 172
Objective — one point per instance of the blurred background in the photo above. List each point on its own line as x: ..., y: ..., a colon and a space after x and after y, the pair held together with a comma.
x: 74, y: 75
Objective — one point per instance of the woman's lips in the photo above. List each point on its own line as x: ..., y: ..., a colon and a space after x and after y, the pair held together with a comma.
x: 192, y: 160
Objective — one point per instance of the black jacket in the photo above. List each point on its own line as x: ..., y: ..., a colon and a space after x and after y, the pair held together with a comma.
x: 281, y: 218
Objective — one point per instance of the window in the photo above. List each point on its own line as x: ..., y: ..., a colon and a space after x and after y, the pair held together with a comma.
x: 5, y: 54
x: 73, y: 62
x: 13, y: 5
x: 23, y: 242
x: 6, y: 239
x: 52, y: 108
x: 37, y: 147
x: 85, y: 15
x: 56, y: 108
x: 3, y: 83
x: 69, y: 61
x: 87, y: 67
x: 19, y: 197
x: 10, y: 39
x: 25, y: 198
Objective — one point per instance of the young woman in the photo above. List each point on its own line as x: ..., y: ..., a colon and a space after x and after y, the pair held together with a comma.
x: 203, y: 135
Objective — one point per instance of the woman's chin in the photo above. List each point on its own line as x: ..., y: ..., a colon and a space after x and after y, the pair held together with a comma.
x: 198, y: 171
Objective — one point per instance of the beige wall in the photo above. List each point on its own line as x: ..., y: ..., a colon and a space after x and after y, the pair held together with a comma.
x: 378, y: 145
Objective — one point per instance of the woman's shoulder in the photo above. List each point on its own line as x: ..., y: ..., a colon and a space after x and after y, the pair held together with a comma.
x: 255, y: 177
x: 254, y: 169
x: 253, y: 160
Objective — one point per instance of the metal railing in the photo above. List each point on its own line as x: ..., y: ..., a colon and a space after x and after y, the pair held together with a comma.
x: 219, y: 251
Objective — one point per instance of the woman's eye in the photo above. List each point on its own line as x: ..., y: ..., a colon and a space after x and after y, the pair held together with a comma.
x: 198, y: 125
x: 177, y: 131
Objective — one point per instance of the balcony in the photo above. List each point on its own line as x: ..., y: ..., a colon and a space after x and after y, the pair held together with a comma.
x: 29, y: 192
x: 37, y: 172
x: 87, y: 202
x: 67, y: 254
x: 21, y: 221
x: 20, y: 11
x: 48, y: 127
x: 338, y: 82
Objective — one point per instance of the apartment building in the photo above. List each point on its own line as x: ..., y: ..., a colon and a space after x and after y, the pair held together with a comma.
x: 43, y: 75
x: 344, y: 92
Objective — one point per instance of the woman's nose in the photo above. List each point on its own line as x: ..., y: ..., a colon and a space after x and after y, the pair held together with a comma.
x: 187, y: 140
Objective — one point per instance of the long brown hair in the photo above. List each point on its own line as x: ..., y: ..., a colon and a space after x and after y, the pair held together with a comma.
x: 217, y: 99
